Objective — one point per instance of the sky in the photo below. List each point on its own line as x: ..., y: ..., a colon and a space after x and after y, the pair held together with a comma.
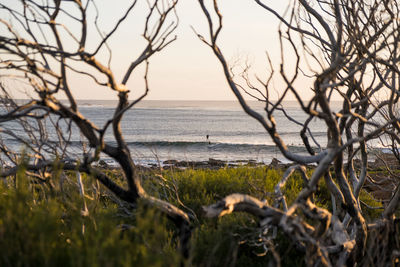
x: 187, y: 69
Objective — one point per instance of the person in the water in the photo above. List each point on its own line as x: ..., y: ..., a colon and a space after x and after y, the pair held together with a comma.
x: 208, y: 140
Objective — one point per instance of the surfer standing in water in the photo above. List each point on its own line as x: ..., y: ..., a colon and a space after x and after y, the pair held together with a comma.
x: 208, y: 140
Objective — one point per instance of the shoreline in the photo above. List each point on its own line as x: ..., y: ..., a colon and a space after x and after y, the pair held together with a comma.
x: 380, y: 162
x: 211, y: 164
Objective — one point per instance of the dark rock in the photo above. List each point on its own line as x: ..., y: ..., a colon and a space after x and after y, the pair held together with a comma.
x: 103, y: 164
x: 216, y: 162
x: 275, y: 163
x: 170, y: 161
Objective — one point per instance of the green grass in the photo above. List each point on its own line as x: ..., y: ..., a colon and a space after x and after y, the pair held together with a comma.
x: 220, y: 241
x: 41, y: 228
x: 41, y: 223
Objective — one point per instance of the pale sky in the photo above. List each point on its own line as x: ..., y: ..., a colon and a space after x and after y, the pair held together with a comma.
x: 187, y: 69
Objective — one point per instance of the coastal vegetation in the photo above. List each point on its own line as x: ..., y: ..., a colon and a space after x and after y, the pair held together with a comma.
x: 60, y: 206
x: 47, y: 223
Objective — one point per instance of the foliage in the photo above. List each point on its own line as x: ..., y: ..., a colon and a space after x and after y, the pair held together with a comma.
x: 232, y: 239
x: 41, y: 224
x: 41, y: 228
x: 205, y: 186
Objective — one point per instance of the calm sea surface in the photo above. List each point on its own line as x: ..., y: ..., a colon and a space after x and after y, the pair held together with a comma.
x: 161, y: 130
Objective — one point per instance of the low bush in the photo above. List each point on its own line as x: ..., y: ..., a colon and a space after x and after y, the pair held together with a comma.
x: 50, y: 224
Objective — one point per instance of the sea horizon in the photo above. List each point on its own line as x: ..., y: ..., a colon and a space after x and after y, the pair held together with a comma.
x: 197, y: 130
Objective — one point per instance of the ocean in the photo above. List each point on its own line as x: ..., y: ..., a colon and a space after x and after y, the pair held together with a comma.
x: 156, y: 131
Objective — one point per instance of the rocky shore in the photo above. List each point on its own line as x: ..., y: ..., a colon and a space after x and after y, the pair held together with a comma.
x: 207, y: 164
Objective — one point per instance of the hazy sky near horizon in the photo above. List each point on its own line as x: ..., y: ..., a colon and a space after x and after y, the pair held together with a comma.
x: 187, y: 69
